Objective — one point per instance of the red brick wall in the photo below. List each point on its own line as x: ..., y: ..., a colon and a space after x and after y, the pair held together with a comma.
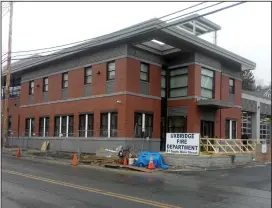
x: 155, y: 80
x: 231, y: 113
x: 99, y: 78
x: 194, y: 80
x: 76, y: 83
x: 54, y: 87
x: 24, y: 93
x: 133, y: 76
x: 38, y: 91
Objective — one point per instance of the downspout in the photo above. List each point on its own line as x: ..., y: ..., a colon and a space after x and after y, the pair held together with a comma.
x: 220, y: 109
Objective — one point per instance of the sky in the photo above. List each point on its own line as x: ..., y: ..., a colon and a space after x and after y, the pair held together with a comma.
x: 246, y: 29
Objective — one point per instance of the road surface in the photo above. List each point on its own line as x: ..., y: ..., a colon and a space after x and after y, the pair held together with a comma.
x: 29, y: 184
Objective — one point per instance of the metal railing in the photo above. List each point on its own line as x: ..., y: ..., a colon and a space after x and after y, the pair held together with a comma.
x: 223, y: 146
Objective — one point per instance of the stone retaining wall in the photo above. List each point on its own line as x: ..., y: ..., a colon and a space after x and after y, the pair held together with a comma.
x: 204, y: 161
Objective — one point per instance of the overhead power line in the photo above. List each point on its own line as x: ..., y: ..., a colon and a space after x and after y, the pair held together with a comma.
x: 78, y: 42
x: 49, y: 51
x: 98, y: 41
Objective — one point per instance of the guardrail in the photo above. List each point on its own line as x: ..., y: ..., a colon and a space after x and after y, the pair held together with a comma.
x: 223, y: 146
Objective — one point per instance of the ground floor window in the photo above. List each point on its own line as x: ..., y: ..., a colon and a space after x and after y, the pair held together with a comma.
x: 246, y: 123
x: 143, y: 125
x: 108, y: 125
x: 177, y: 124
x: 230, y: 129
x: 265, y: 127
x: 9, y: 126
x: 44, y: 126
x: 64, y: 126
x: 30, y: 127
x: 86, y: 125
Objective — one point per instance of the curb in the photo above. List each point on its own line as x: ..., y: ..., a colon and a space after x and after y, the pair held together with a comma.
x: 52, y: 161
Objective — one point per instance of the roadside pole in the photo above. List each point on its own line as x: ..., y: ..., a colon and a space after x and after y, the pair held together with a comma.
x: 8, y: 76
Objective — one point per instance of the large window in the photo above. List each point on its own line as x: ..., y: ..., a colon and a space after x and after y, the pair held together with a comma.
x: 9, y: 126
x: 88, y: 75
x: 230, y: 129
x: 163, y: 83
x: 44, y: 126
x: 246, y: 124
x: 231, y: 86
x: 65, y: 80
x: 31, y: 87
x: 64, y: 126
x: 265, y: 127
x: 144, y: 74
x: 207, y: 83
x: 86, y: 125
x: 108, y: 127
x: 143, y: 125
x: 177, y: 124
x: 111, y: 71
x: 30, y: 127
x: 178, y: 82
x: 45, y: 84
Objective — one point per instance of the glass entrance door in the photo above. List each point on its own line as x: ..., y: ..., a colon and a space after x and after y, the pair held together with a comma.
x: 207, y: 129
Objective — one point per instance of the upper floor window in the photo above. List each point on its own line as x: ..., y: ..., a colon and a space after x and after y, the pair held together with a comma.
x: 88, y: 75
x: 231, y: 86
x: 178, y: 83
x: 111, y: 71
x: 144, y: 74
x: 31, y: 87
x: 163, y: 83
x: 45, y: 84
x: 207, y: 83
x: 65, y: 80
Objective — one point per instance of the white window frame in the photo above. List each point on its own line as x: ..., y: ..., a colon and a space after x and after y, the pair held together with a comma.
x: 67, y: 126
x: 230, y: 128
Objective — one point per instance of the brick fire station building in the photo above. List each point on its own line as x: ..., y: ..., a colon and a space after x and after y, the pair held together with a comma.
x: 142, y: 81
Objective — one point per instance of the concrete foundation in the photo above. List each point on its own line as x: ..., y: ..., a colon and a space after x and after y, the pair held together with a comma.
x: 86, y: 145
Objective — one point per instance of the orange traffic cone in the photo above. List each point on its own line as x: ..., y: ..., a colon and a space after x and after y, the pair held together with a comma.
x: 151, y: 164
x: 125, y: 161
x: 74, y: 161
x: 18, y: 154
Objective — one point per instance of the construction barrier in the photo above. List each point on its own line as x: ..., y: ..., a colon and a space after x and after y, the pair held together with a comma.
x: 223, y: 146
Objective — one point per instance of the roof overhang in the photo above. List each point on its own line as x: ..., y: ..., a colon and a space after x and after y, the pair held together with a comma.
x: 150, y: 29
x: 214, y: 104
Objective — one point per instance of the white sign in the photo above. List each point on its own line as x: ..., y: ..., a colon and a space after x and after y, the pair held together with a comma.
x: 182, y: 143
x: 263, y: 148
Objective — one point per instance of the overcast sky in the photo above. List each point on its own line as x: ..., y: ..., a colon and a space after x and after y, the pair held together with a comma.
x: 246, y: 29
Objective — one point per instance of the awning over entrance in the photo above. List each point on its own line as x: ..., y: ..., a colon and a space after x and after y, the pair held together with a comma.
x: 216, y: 104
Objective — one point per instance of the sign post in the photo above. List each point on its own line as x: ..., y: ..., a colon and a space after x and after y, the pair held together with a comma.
x: 182, y: 143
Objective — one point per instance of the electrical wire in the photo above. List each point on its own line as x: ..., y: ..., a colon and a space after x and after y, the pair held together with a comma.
x: 81, y: 49
x: 92, y: 38
x: 134, y: 29
x: 123, y: 34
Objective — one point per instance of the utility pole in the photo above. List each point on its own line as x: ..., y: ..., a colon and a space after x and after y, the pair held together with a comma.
x: 8, y: 76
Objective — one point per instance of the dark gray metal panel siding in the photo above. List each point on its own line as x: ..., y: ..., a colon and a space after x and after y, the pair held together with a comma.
x: 144, y: 88
x: 87, y: 90
x: 30, y: 99
x: 231, y: 98
x: 144, y: 55
x: 232, y: 71
x: 265, y: 109
x: 207, y: 115
x: 64, y: 94
x: 110, y: 87
x: 206, y: 60
x: 181, y: 59
x: 74, y: 62
x: 45, y: 97
x: 177, y: 111
x: 249, y: 105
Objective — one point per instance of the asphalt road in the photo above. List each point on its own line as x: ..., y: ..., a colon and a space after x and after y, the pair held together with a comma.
x: 29, y: 184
